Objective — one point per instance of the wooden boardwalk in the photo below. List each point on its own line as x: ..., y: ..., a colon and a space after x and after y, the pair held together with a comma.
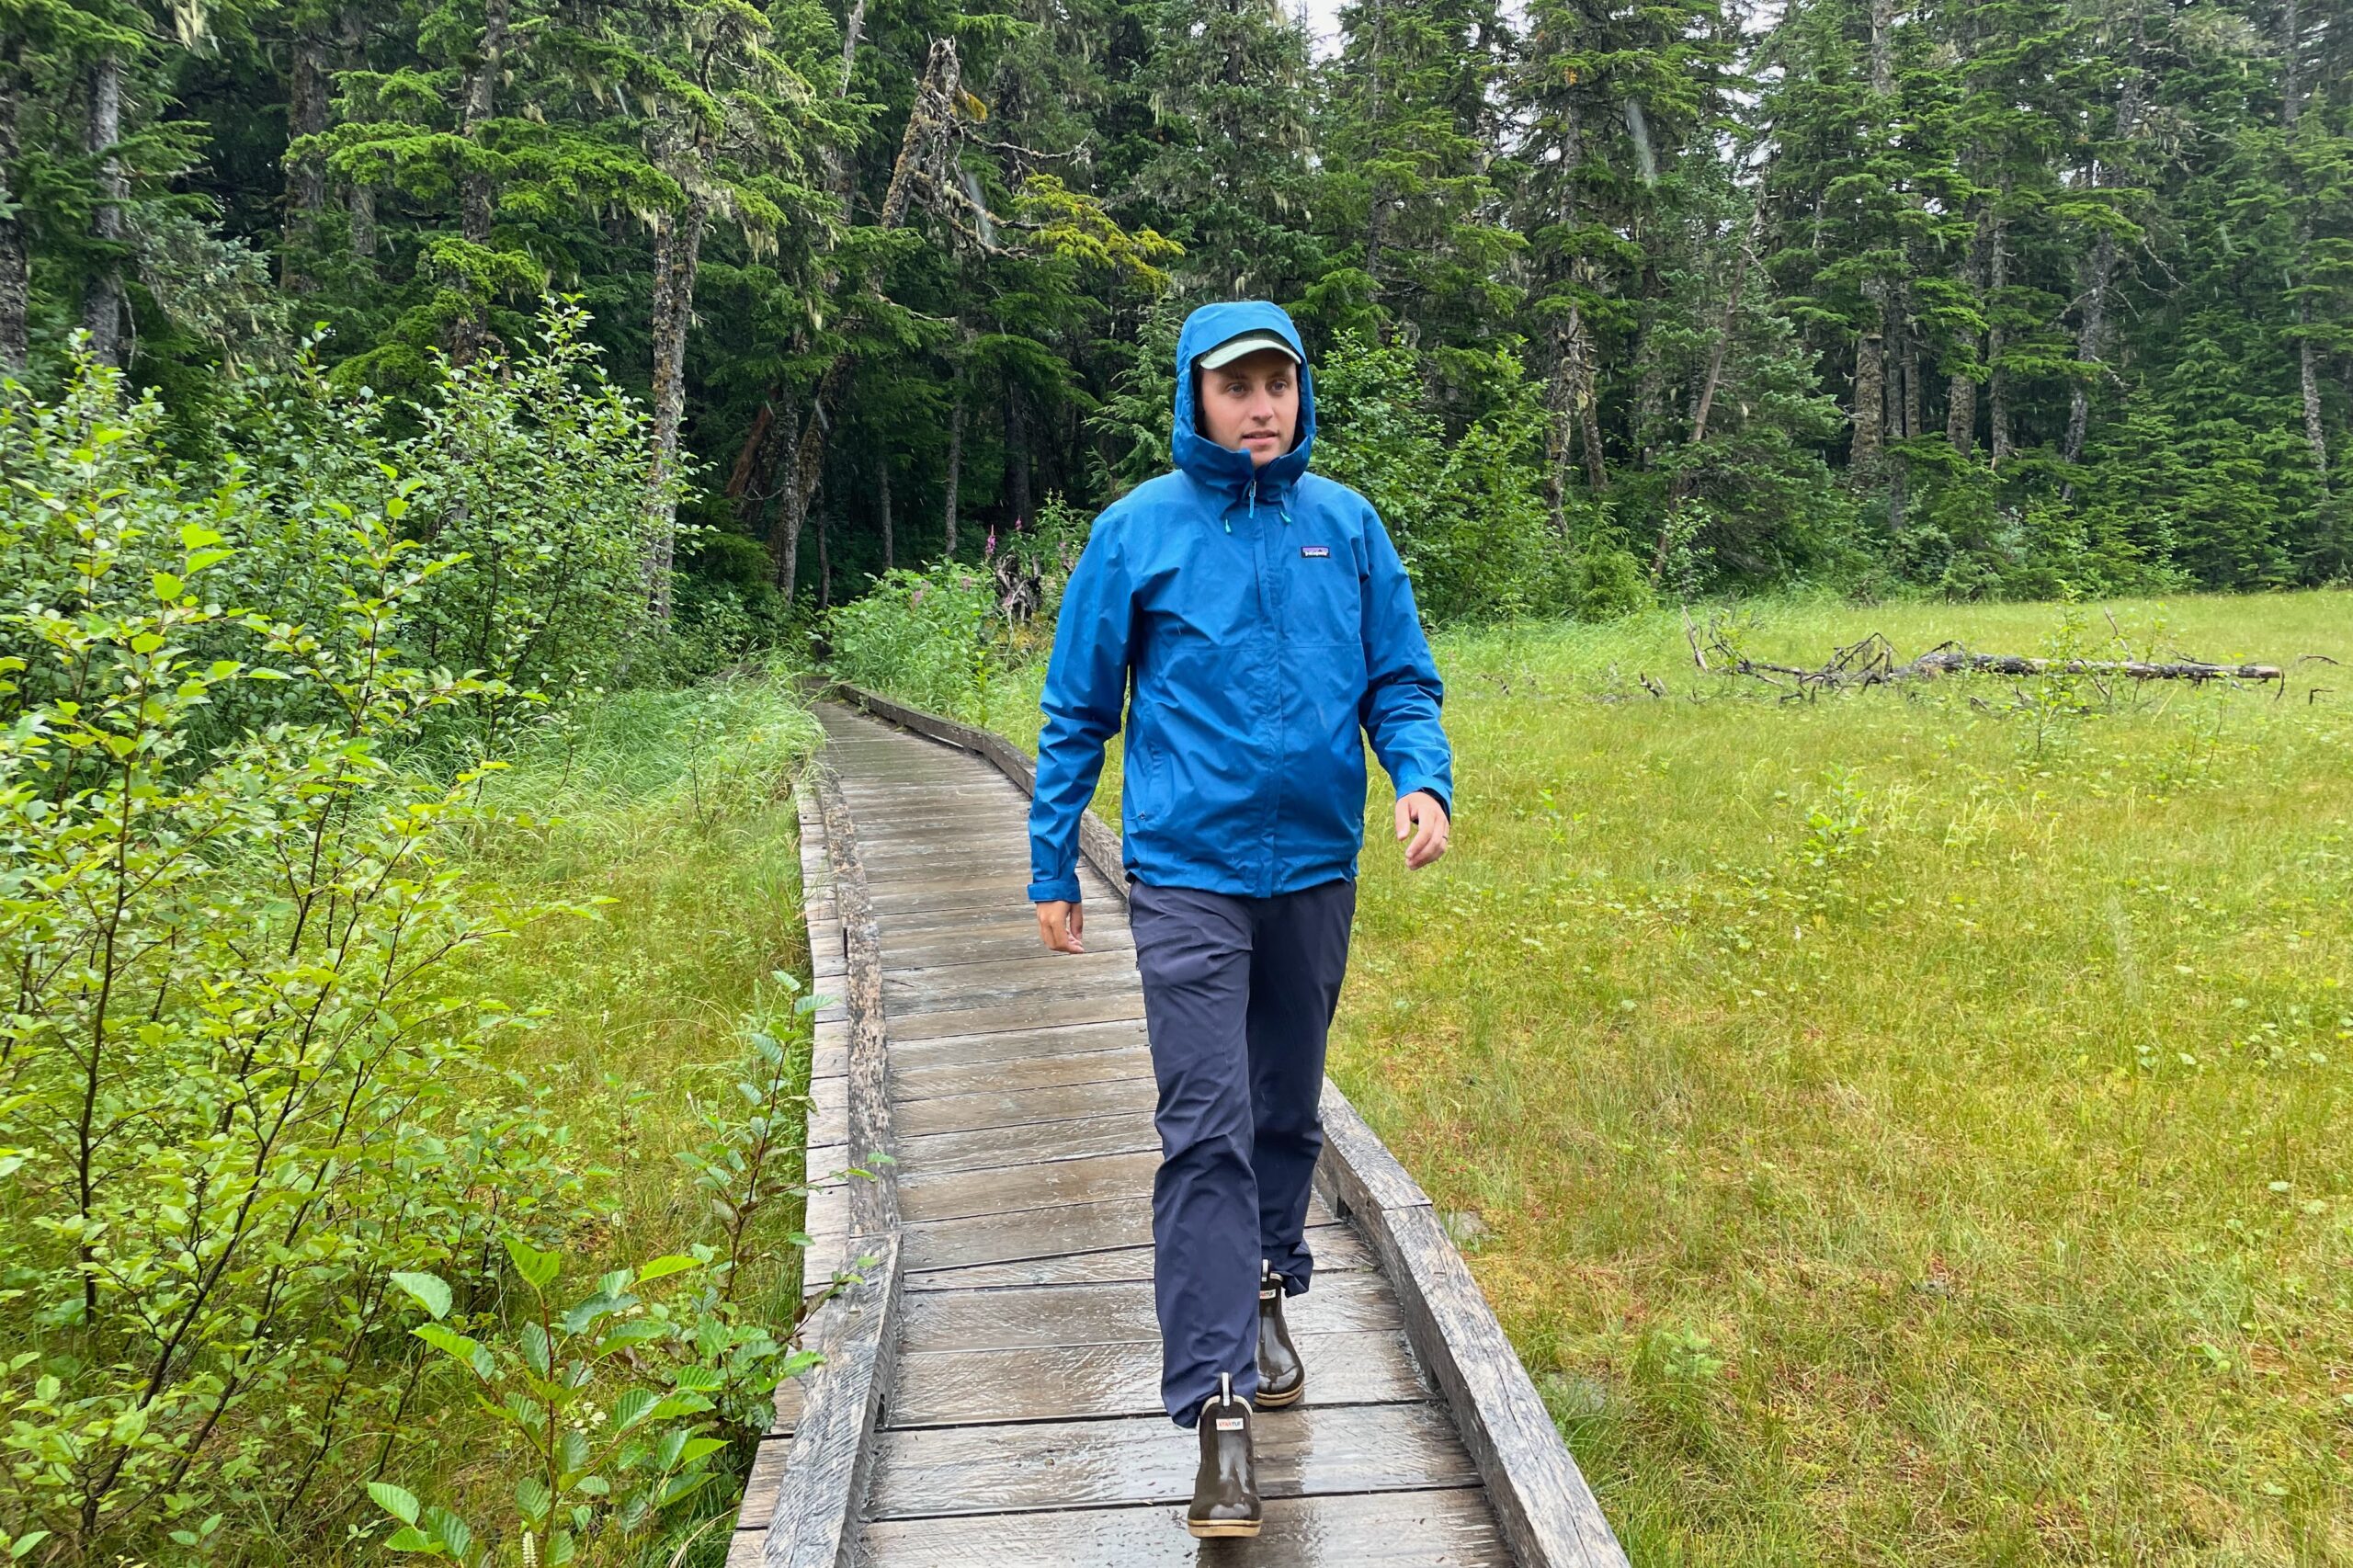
x: 996, y: 1396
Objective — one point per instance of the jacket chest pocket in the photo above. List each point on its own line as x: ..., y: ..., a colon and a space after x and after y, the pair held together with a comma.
x: 1323, y: 599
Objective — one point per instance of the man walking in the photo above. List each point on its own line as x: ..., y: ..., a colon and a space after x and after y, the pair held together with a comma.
x: 1261, y: 616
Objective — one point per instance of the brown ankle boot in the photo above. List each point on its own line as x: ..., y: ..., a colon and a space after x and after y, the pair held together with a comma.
x: 1282, y: 1376
x: 1226, y: 1491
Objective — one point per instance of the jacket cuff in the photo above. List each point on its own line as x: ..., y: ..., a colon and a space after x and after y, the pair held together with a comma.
x: 1064, y: 887
x: 1437, y: 791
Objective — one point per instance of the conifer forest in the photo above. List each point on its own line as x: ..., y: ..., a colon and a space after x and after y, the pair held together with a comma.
x: 1878, y: 477
x: 1975, y: 298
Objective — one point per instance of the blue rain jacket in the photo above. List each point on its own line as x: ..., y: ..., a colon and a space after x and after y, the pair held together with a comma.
x: 1253, y: 622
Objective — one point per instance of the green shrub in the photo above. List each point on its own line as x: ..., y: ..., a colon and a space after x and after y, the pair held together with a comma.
x: 928, y: 637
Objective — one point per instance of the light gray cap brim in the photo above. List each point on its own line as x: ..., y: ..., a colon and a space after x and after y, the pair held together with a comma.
x: 1234, y: 347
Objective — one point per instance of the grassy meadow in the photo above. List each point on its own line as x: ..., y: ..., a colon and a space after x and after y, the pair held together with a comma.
x: 1901, y: 1126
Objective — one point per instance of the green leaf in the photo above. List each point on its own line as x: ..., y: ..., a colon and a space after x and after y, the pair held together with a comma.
x: 397, y: 1501
x: 663, y: 1267
x: 536, y: 1352
x: 26, y: 1542
x: 531, y: 1499
x: 538, y: 1269
x: 450, y: 1530
x: 408, y: 1538
x: 167, y: 588
x: 466, y: 1352
x: 428, y: 1291
x: 630, y: 1408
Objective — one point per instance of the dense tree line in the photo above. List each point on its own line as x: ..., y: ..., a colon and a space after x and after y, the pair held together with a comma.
x: 1982, y: 298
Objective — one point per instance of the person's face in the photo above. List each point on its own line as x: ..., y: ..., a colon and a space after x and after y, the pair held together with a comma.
x: 1252, y: 405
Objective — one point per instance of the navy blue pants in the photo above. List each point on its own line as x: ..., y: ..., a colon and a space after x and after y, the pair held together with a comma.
x: 1238, y: 994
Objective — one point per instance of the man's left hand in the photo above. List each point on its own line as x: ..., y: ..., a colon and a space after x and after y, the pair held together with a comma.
x: 1421, y: 814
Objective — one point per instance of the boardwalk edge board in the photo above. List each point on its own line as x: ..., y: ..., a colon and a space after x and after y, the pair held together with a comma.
x: 1546, y: 1511
x: 799, y: 1507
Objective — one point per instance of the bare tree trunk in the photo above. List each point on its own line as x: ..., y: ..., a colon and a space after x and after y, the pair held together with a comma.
x: 841, y: 168
x: 16, y: 264
x: 955, y: 462
x: 102, y: 300
x: 882, y: 504
x: 678, y: 253
x: 2091, y: 341
x: 306, y: 179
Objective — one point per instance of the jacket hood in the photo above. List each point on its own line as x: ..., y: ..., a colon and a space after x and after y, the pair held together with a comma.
x: 1216, y: 466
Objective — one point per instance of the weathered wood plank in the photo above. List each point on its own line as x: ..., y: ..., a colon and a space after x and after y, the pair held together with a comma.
x: 932, y: 1470
x: 1009, y: 1188
x: 812, y: 1515
x: 1030, y: 1316
x: 1013, y: 1046
x: 1042, y: 1141
x: 1546, y: 1510
x: 967, y: 986
x: 1028, y: 1014
x: 966, y: 1113
x: 1072, y: 1382
x: 1336, y: 1247
x: 1397, y: 1530
x: 1043, y: 1232
x: 938, y: 1080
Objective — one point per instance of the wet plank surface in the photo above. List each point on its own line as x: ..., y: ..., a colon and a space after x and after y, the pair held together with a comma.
x: 1406, y: 1530
x: 1022, y: 1424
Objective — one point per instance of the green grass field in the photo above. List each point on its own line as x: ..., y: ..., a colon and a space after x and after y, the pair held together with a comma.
x: 1903, y: 1126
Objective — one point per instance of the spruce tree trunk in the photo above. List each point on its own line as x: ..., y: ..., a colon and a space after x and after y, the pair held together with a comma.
x: 359, y: 201
x: 480, y: 104
x: 1997, y: 386
x: 678, y: 253
x: 2292, y: 50
x: 1912, y: 399
x: 1017, y: 456
x: 1960, y: 388
x: 923, y: 154
x: 955, y: 462
x: 825, y: 559
x: 792, y: 511
x: 2091, y: 341
x: 102, y: 300
x: 306, y: 180
x: 2308, y: 373
x: 882, y: 504
x: 15, y: 264
x: 1871, y: 390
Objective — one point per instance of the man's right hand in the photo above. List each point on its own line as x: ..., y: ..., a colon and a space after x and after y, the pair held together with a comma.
x: 1059, y: 922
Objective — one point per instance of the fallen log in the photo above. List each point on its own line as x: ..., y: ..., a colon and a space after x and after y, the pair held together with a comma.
x: 1872, y: 661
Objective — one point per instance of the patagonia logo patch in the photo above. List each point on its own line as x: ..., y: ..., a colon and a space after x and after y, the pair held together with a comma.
x: 1314, y: 551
